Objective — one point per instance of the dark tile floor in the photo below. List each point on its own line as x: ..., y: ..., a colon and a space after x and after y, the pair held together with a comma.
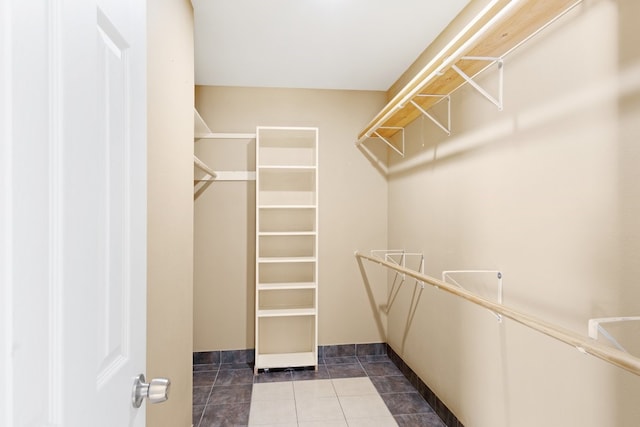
x: 222, y: 392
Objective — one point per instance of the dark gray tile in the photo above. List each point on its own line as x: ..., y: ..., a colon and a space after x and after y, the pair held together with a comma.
x: 406, y: 403
x: 311, y: 374
x: 423, y: 420
x: 206, y: 357
x: 392, y: 384
x: 273, y: 376
x: 201, y: 394
x: 339, y: 350
x: 340, y: 360
x: 225, y: 395
x: 234, y: 377
x: 238, y: 356
x: 346, y: 371
x: 374, y: 358
x: 202, y: 379
x: 230, y: 366
x: 371, y: 349
x: 375, y: 369
x: 208, y: 367
x: 197, y: 414
x: 232, y: 415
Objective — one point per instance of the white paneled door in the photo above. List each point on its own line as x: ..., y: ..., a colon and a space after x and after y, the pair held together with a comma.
x: 72, y: 211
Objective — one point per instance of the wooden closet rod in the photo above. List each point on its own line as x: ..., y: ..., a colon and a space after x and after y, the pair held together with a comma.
x: 582, y: 343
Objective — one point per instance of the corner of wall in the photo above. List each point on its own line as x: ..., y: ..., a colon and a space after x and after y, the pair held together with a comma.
x: 170, y: 86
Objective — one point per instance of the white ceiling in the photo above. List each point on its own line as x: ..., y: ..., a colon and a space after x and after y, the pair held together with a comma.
x: 320, y: 44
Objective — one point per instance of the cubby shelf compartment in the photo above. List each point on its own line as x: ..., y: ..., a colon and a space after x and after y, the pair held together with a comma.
x: 287, y: 233
x: 298, y: 206
x: 284, y: 312
x: 286, y: 247
x: 286, y: 285
x: 279, y: 168
x: 285, y: 260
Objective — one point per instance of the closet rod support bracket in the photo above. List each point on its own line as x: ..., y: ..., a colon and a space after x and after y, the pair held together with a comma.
x: 447, y: 128
x: 497, y: 102
x: 595, y: 328
x: 386, y: 141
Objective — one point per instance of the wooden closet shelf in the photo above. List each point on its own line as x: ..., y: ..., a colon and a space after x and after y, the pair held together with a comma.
x: 502, y: 27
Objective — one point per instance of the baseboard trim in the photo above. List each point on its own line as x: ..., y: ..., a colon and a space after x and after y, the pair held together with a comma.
x: 432, y: 399
x: 247, y: 356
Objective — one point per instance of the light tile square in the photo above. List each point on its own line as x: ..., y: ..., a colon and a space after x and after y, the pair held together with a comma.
x: 276, y: 425
x: 373, y: 422
x: 313, y: 388
x: 272, y: 412
x: 324, y: 423
x: 354, y: 386
x: 365, y: 406
x: 272, y: 391
x: 319, y: 409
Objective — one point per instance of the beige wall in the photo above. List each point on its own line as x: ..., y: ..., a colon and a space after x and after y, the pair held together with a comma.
x: 170, y: 207
x: 352, y: 210
x: 548, y: 192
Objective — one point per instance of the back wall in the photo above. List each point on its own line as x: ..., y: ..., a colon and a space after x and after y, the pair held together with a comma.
x: 352, y: 213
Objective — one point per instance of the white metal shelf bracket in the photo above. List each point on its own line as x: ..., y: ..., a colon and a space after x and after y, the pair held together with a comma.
x: 389, y: 255
x: 386, y: 141
x: 595, y: 327
x: 447, y: 275
x: 447, y: 128
x: 476, y: 86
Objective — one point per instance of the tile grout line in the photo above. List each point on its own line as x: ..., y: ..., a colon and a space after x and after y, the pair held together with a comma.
x: 206, y: 403
x: 344, y: 416
x: 295, y: 401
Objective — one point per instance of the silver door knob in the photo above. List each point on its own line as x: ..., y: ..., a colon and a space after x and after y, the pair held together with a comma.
x: 156, y: 391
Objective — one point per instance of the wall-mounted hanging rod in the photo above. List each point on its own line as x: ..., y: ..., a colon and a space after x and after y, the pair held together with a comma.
x: 212, y: 135
x: 230, y: 176
x: 201, y: 165
x: 447, y: 275
x: 390, y: 253
x: 581, y: 343
x: 595, y: 327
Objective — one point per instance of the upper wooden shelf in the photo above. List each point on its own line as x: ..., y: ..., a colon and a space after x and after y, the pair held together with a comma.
x: 497, y: 30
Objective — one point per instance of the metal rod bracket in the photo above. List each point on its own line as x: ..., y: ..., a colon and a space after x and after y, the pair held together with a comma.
x: 497, y: 102
x: 386, y: 141
x: 447, y: 128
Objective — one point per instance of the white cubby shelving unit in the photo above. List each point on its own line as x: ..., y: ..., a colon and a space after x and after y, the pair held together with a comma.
x: 286, y: 330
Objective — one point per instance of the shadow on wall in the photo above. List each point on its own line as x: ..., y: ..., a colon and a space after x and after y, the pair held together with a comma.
x: 628, y: 105
x: 372, y: 299
x: 250, y: 165
x: 399, y: 281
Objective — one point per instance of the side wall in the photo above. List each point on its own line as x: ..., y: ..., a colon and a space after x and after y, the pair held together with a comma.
x: 548, y: 192
x: 170, y: 207
x: 352, y: 210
